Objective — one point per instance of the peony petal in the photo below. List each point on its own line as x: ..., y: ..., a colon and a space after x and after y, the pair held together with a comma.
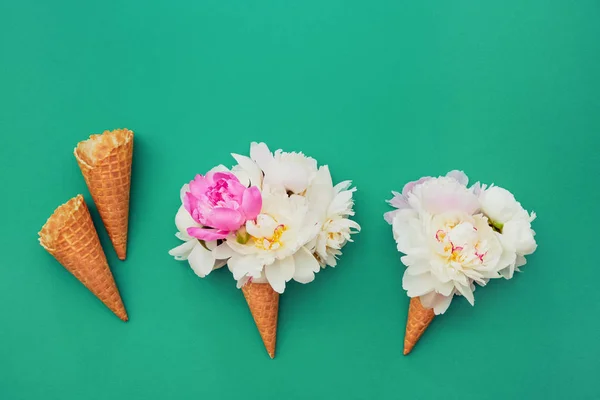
x: 184, y: 189
x: 244, y: 265
x: 251, y: 169
x: 261, y: 155
x: 207, y: 234
x: 287, y: 266
x: 411, y: 185
x: 306, y: 265
x: 251, y: 202
x: 183, y: 220
x: 467, y: 292
x: 389, y: 216
x: 182, y: 251
x: 225, y: 219
x: 416, y: 266
x: 201, y: 260
x: 223, y: 252
x: 445, y: 289
x: 428, y: 299
x: 279, y: 272
x: 293, y: 176
x: 199, y: 185
x: 418, y: 285
x: 442, y: 304
x: 219, y: 168
x: 242, y: 175
x: 242, y: 281
x: 459, y: 176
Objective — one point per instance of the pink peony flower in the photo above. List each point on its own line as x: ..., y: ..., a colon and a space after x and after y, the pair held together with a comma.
x: 221, y: 204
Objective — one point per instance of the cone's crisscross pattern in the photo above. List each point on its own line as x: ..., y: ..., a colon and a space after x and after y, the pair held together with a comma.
x: 105, y: 162
x: 418, y: 320
x: 69, y: 235
x: 263, y: 302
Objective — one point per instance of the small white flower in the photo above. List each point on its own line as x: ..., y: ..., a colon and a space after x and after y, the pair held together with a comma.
x: 500, y: 205
x: 333, y: 205
x: 513, y: 223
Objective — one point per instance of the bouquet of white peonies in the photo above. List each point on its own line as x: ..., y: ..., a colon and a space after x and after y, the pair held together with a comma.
x: 271, y: 218
x: 454, y: 237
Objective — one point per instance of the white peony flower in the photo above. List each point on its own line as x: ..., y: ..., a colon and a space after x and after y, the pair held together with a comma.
x: 273, y: 247
x: 513, y: 224
x: 447, y: 245
x: 333, y: 205
x: 294, y: 171
x: 445, y: 253
x: 499, y: 205
x: 198, y: 253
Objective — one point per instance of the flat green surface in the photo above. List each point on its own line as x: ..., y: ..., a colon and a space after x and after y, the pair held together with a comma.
x: 384, y: 92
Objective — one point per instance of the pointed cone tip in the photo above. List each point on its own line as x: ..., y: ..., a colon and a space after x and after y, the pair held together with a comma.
x: 263, y: 302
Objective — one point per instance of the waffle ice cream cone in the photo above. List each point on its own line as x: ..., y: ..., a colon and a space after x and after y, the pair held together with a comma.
x: 418, y: 320
x: 105, y: 162
x: 263, y: 302
x: 69, y: 235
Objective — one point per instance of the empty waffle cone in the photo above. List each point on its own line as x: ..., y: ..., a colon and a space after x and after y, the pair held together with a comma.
x: 69, y: 235
x: 263, y: 302
x: 418, y: 320
x: 105, y: 162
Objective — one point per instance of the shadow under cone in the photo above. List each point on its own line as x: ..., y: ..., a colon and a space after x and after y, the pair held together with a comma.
x: 105, y: 162
x: 69, y: 235
x: 418, y: 320
x: 263, y: 302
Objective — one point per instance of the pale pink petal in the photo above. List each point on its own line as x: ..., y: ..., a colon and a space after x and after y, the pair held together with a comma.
x: 460, y: 177
x: 389, y: 216
x: 398, y: 201
x: 410, y: 185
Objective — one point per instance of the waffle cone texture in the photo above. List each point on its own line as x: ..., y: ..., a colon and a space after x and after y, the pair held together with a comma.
x: 418, y: 320
x: 263, y: 302
x: 69, y: 235
x: 105, y: 162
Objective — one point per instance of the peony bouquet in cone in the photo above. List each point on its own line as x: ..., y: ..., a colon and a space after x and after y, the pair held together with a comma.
x: 455, y: 237
x: 272, y: 218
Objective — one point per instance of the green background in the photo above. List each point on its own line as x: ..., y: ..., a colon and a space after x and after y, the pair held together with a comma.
x: 384, y: 92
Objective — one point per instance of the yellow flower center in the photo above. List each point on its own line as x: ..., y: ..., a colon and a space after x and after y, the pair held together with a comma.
x: 272, y: 243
